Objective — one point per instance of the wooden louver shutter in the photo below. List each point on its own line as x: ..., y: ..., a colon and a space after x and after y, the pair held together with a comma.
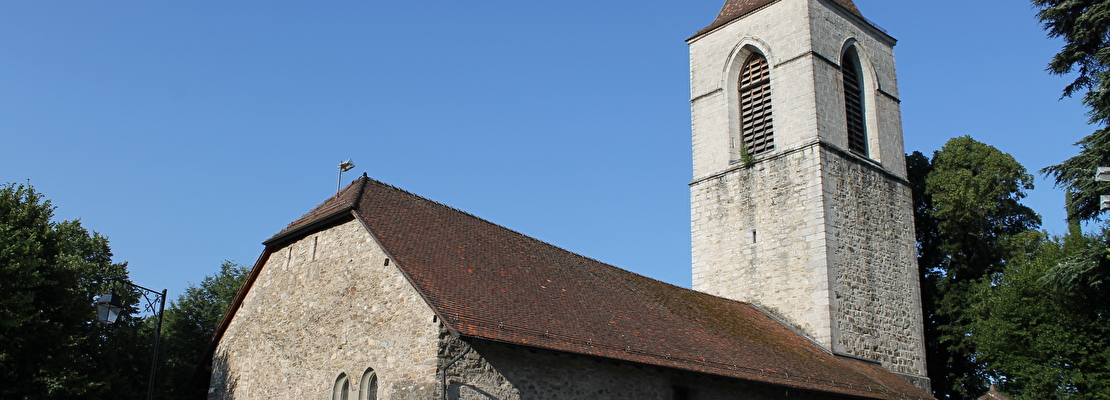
x: 755, y: 105
x: 853, y: 102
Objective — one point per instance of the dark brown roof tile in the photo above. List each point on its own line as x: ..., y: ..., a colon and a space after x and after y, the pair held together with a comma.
x: 489, y: 282
x: 486, y: 281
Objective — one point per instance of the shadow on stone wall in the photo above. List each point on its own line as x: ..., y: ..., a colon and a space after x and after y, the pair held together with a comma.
x: 463, y: 391
x: 223, y: 384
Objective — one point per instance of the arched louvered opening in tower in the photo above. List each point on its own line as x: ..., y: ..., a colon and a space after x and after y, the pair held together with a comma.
x: 853, y: 102
x: 756, y: 126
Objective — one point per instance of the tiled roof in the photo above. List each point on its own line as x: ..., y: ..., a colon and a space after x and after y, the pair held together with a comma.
x: 341, y: 202
x: 486, y: 281
x: 734, y: 9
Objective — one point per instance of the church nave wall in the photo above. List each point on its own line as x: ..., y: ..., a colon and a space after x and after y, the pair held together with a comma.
x: 323, y: 305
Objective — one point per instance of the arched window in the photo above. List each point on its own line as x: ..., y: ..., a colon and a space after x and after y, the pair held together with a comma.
x: 342, y: 388
x: 853, y: 101
x: 368, y: 386
x: 755, y: 105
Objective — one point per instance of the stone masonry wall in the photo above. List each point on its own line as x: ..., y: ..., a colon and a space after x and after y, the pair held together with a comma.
x: 758, y: 236
x: 324, y: 305
x: 872, y: 253
x: 488, y: 370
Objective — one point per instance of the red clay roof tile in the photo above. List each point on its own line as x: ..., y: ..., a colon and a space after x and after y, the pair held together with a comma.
x: 486, y: 281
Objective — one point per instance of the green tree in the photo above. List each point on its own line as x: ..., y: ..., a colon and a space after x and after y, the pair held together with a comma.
x: 190, y: 323
x: 1044, y: 337
x: 969, y: 213
x: 1058, y: 337
x: 1084, y: 26
x: 918, y: 167
x: 51, y: 273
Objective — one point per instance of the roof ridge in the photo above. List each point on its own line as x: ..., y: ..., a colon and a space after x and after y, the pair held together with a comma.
x: 361, y: 188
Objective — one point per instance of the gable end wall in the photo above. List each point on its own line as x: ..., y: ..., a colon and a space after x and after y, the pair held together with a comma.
x: 323, y: 305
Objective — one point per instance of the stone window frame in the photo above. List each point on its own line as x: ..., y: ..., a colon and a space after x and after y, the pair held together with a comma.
x: 868, y: 86
x: 341, y: 389
x: 730, y: 82
x: 368, y: 385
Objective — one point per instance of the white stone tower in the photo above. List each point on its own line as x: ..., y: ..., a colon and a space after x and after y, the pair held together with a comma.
x: 799, y: 202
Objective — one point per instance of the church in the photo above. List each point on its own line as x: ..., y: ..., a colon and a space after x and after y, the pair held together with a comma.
x: 804, y: 267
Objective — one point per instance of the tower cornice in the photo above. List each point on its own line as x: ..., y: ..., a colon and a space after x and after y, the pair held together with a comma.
x: 736, y: 9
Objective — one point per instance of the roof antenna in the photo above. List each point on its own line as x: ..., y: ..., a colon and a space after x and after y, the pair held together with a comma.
x: 343, y: 167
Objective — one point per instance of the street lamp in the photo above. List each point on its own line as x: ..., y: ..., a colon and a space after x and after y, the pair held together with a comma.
x: 1103, y: 175
x: 343, y: 167
x: 109, y: 307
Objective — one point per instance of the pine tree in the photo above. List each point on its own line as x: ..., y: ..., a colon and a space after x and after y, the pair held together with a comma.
x: 1084, y: 26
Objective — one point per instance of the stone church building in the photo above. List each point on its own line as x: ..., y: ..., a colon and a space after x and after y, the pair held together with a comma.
x: 804, y: 269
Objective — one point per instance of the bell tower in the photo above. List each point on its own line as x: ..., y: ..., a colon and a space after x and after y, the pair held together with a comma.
x: 799, y: 199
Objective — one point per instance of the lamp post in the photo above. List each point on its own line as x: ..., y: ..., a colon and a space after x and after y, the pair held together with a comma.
x: 343, y: 167
x: 1103, y: 175
x: 109, y: 307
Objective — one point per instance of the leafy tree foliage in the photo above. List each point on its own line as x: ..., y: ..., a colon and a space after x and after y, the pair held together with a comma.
x: 1084, y: 25
x: 976, y: 193
x: 968, y: 209
x: 1044, y: 320
x: 51, y: 347
x: 918, y: 167
x: 1046, y: 337
x: 190, y: 323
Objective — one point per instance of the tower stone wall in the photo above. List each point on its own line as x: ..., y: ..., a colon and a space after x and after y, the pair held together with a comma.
x: 875, y: 296
x: 759, y: 236
x: 814, y: 233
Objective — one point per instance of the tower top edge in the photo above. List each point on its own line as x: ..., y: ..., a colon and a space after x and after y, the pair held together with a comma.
x: 736, y: 9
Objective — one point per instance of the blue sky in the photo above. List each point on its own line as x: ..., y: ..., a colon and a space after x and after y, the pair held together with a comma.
x: 188, y: 132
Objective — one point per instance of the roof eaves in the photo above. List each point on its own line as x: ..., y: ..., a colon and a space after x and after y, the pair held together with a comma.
x: 315, y: 224
x: 760, y: 377
x: 724, y: 373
